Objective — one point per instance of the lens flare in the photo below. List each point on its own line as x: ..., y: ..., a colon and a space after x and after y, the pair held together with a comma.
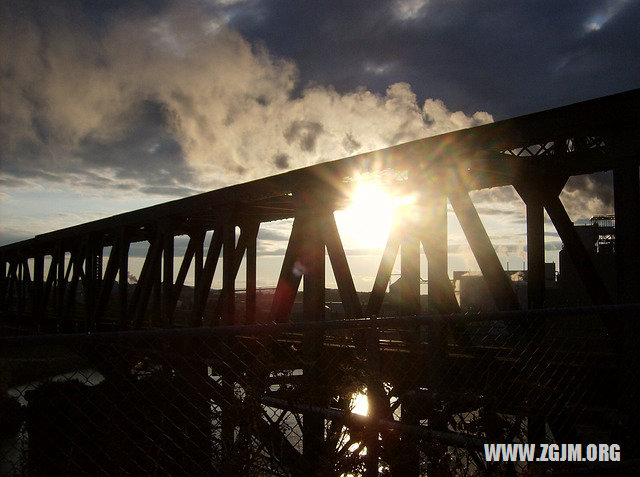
x: 367, y: 222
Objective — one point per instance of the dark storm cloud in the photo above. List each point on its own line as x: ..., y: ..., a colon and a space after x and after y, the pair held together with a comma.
x: 507, y: 58
x: 146, y: 151
x: 305, y: 133
x: 143, y: 96
x: 281, y: 161
x: 44, y: 132
x: 599, y: 186
x: 165, y: 98
x: 588, y: 195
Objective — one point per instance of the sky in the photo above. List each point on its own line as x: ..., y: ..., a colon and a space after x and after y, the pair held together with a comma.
x: 107, y: 107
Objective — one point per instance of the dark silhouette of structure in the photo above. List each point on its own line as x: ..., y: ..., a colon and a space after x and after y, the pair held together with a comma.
x: 535, y: 154
x: 599, y: 240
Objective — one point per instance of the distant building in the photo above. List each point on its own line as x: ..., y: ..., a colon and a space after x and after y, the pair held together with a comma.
x: 599, y: 239
x: 473, y: 293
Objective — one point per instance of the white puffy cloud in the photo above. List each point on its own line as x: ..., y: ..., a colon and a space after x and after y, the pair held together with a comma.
x: 164, y: 101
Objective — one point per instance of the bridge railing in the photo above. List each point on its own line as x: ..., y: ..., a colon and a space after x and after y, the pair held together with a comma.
x: 390, y: 395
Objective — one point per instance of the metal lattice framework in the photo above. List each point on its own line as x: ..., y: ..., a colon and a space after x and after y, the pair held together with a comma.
x: 536, y: 154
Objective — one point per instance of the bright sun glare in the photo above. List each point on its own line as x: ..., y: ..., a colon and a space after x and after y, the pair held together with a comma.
x: 366, y: 223
x: 360, y: 404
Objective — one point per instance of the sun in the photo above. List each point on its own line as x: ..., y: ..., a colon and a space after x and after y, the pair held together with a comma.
x: 360, y: 404
x: 367, y: 221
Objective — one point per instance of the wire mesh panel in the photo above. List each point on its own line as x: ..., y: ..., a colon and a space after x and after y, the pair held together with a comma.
x: 393, y: 396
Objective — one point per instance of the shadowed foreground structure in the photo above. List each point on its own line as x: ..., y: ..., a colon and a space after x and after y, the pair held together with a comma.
x: 224, y: 389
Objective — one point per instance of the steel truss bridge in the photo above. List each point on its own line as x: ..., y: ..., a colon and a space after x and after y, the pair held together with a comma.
x: 439, y: 382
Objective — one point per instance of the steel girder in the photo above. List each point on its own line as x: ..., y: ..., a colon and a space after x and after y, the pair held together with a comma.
x: 534, y: 153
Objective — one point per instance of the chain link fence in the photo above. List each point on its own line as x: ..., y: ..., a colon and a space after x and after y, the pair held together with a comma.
x: 387, y: 396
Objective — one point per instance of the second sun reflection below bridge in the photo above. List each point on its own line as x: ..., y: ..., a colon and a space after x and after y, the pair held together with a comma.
x: 360, y: 405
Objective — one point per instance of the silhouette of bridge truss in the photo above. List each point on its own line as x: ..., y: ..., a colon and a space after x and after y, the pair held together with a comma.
x: 536, y: 154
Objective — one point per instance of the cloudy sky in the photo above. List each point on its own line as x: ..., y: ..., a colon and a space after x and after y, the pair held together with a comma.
x: 112, y: 106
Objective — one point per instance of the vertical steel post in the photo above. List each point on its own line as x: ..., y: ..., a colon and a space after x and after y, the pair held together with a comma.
x: 408, y: 462
x: 156, y: 292
x: 21, y: 297
x: 74, y: 273
x: 60, y: 282
x: 228, y: 318
x: 228, y: 272
x: 376, y: 399
x: 626, y: 196
x: 251, y: 275
x: 435, y: 233
x: 38, y: 289
x: 313, y: 302
x: 410, y: 270
x: 535, y: 295
x: 3, y: 281
x: 166, y: 305
x: 99, y: 259
x: 536, y: 424
x: 435, y: 242
x: 123, y: 276
x: 49, y: 284
x: 89, y: 280
x: 198, y: 267
x: 535, y: 253
x: 11, y: 283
